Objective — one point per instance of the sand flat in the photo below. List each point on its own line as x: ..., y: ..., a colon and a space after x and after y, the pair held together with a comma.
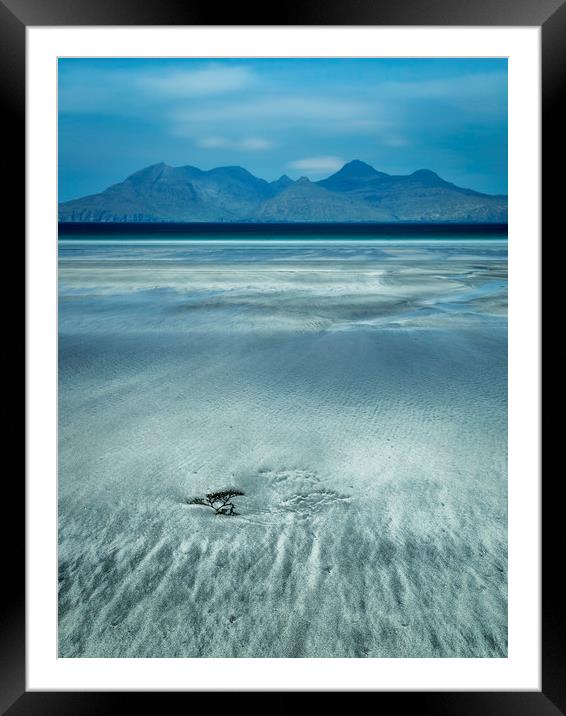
x: 356, y: 393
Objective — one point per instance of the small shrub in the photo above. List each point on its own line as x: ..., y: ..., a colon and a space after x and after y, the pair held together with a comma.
x: 220, y: 502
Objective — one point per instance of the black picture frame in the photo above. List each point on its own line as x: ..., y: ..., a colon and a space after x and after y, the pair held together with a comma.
x: 15, y: 16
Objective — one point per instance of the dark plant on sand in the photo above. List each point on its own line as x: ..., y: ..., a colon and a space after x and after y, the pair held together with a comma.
x: 220, y: 502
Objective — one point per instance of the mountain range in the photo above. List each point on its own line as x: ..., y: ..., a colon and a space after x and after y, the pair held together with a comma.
x: 356, y: 193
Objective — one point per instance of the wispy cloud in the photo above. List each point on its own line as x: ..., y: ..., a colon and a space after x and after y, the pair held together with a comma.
x: 250, y: 144
x: 139, y: 92
x: 301, y: 108
x: 197, y: 83
x: 395, y: 142
x: 317, y: 165
x: 484, y: 86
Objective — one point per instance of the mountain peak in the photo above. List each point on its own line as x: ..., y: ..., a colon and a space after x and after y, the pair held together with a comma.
x: 304, y: 180
x: 235, y: 171
x: 151, y: 169
x: 354, y: 171
x: 426, y: 176
x: 283, y: 180
x: 424, y: 173
x: 353, y: 174
x: 357, y: 168
x: 150, y: 173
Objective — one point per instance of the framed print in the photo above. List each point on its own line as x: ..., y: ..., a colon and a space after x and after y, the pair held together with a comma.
x: 282, y: 428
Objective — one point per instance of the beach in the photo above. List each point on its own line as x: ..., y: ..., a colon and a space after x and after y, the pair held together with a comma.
x: 356, y: 392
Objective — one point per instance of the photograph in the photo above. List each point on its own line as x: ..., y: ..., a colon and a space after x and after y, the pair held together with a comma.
x: 282, y: 357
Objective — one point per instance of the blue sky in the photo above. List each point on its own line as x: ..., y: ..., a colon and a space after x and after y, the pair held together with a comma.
x: 301, y: 117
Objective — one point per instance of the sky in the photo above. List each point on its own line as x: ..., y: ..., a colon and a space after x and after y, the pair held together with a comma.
x: 300, y: 117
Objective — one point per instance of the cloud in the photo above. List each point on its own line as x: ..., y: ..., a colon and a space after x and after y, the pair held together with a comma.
x: 251, y: 144
x: 317, y: 165
x: 255, y: 144
x: 213, y: 142
x: 206, y: 81
x: 278, y: 107
x: 140, y: 92
x: 396, y: 142
x: 471, y: 87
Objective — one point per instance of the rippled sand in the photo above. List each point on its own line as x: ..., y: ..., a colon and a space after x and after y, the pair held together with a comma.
x: 356, y: 393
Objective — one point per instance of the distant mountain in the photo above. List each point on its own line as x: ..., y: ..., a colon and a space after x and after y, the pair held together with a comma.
x: 304, y: 200
x: 282, y: 183
x: 353, y: 175
x: 421, y: 196
x: 356, y: 193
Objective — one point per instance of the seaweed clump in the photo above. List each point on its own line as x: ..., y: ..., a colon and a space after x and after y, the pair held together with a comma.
x: 220, y: 502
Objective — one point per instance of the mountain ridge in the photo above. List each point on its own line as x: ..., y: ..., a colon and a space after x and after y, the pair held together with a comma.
x: 356, y: 193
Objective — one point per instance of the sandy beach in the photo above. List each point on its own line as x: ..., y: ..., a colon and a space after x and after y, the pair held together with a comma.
x: 355, y: 392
